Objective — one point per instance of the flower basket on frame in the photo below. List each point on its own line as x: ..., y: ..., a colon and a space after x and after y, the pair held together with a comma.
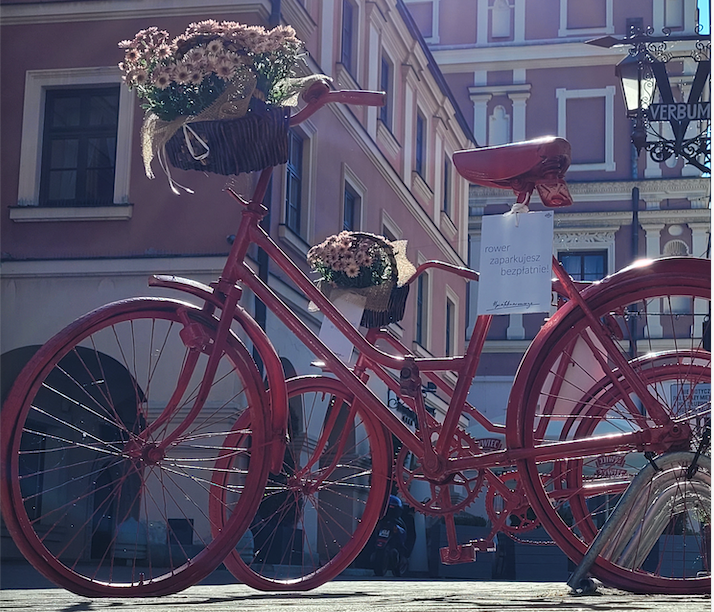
x: 368, y: 265
x: 217, y: 96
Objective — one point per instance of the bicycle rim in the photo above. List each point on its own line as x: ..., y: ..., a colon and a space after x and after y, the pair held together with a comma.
x: 92, y: 499
x: 572, y: 395
x: 319, y: 511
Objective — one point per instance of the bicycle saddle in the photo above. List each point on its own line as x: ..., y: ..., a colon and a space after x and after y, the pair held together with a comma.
x: 521, y: 166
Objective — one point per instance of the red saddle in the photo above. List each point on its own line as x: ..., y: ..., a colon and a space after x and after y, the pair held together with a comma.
x: 521, y: 166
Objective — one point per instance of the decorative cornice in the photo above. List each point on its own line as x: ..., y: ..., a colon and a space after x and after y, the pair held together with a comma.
x: 598, y: 191
x: 103, y: 10
x: 571, y: 238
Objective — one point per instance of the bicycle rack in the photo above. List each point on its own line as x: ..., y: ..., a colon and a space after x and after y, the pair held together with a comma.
x: 645, y: 511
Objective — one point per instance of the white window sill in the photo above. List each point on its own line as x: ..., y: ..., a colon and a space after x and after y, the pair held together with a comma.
x: 292, y: 239
x: 447, y: 226
x: 34, y: 214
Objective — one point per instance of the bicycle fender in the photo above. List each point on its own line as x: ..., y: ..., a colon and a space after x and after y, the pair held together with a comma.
x: 641, y: 274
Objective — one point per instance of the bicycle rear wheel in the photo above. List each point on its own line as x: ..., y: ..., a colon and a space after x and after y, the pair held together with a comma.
x: 320, y: 510
x: 91, y: 497
x: 571, y: 392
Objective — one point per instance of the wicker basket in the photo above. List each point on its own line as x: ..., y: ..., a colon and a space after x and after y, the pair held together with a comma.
x: 253, y: 142
x: 386, y: 302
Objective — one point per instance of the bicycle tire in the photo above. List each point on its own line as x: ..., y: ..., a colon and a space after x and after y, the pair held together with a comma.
x: 320, y: 510
x: 567, y: 395
x: 88, y: 498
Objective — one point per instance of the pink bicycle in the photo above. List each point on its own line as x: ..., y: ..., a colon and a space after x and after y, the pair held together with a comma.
x: 141, y: 447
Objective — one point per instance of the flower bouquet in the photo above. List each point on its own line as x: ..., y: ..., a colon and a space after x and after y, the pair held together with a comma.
x: 368, y: 265
x: 216, y: 97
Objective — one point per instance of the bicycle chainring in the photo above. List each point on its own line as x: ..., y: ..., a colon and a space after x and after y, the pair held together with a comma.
x: 453, y: 494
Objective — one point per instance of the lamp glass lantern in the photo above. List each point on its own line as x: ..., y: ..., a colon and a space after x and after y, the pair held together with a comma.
x: 638, y: 83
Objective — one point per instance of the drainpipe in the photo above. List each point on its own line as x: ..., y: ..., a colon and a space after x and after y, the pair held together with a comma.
x: 635, y: 242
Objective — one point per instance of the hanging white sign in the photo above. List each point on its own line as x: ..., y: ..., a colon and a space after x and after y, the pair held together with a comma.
x: 515, y: 269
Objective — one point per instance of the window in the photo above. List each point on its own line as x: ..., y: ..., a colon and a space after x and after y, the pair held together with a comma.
x: 38, y: 83
x: 447, y: 187
x: 79, y: 147
x: 420, y: 145
x: 584, y: 265
x: 450, y: 327
x: 501, y: 19
x: 385, y: 84
x: 586, y: 119
x: 348, y: 36
x: 584, y: 17
x: 422, y: 309
x: 350, y: 217
x: 674, y: 14
x: 293, y: 188
x: 426, y: 16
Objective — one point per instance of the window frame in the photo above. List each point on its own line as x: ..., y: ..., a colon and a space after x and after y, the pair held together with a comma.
x: 294, y: 173
x: 386, y: 112
x: 582, y: 253
x: 420, y: 144
x: 350, y: 181
x: 36, y: 84
x: 82, y: 134
x: 434, y: 38
x: 422, y: 309
x: 300, y: 240
x: 348, y: 52
x: 608, y: 28
x: 450, y: 325
x: 608, y: 93
x: 447, y: 183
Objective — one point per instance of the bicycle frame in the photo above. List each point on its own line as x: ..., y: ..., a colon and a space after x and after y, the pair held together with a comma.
x: 226, y: 292
x: 238, y: 273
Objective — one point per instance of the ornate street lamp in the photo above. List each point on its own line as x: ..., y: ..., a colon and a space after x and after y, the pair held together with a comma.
x: 642, y: 73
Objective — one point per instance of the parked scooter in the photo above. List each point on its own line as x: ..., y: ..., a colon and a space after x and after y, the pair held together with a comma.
x: 392, y: 542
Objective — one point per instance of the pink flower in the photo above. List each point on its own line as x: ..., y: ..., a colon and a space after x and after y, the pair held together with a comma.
x: 215, y: 46
x: 163, y: 51
x: 194, y: 56
x: 224, y: 69
x: 182, y: 73
x: 132, y: 55
x: 140, y: 76
x: 162, y: 79
x: 352, y: 270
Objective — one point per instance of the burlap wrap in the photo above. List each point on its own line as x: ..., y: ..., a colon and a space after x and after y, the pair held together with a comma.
x: 231, y: 104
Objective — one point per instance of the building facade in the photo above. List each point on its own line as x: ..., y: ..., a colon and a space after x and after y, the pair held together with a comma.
x: 520, y: 70
x: 97, y: 232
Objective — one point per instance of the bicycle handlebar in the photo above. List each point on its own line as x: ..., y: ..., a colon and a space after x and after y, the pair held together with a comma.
x: 319, y: 94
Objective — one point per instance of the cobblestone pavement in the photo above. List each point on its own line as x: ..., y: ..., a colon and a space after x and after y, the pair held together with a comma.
x: 373, y: 595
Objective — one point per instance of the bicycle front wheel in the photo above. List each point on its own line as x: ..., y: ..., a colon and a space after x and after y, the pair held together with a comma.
x: 91, y: 494
x: 573, y: 392
x: 319, y: 511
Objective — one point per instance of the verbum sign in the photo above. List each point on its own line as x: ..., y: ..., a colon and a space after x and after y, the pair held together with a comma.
x: 680, y: 111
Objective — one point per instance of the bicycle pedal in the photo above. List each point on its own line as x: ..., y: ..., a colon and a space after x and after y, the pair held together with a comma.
x: 484, y: 546
x: 462, y: 553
